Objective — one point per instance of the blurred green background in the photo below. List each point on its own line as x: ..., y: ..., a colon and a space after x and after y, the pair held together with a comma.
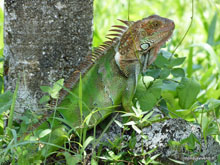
x: 201, y: 46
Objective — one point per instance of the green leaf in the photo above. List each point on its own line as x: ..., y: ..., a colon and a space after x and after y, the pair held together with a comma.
x: 218, y: 158
x: 46, y: 89
x: 130, y: 123
x: 205, y: 127
x: 161, y: 61
x: 176, y: 61
x: 174, y: 144
x: 132, y: 142
x: 212, y: 130
x: 72, y: 159
x: 189, y: 69
x: 213, y: 103
x: 147, y: 80
x: 87, y: 142
x: 14, y: 133
x: 44, y: 133
x: 169, y: 85
x: 178, y: 72
x: 155, y: 73
x: 211, y: 32
x: 57, y: 137
x: 166, y: 54
x: 80, y: 94
x: 119, y: 124
x: 114, y: 156
x: 136, y: 129
x: 152, y: 158
x: 44, y: 99
x: 191, y: 140
x: 54, y: 93
x: 164, y: 73
x: 12, y: 109
x: 147, y: 98
x: 137, y: 110
x: 147, y: 116
x: 171, y: 102
x: 5, y: 101
x: 176, y: 161
x: 94, y: 162
x: 187, y: 92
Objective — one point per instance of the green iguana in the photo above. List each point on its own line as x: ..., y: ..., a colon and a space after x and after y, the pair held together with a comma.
x: 110, y: 75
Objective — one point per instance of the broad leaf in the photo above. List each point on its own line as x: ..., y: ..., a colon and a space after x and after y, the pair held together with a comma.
x: 161, y: 61
x: 178, y: 72
x: 46, y: 89
x: 176, y: 61
x: 213, y: 103
x: 187, y: 92
x: 148, y: 97
x: 155, y: 73
x: 164, y: 73
x: 72, y: 159
x: 169, y: 85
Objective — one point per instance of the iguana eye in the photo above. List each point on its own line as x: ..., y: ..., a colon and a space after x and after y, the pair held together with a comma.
x: 155, y: 24
x: 145, y: 46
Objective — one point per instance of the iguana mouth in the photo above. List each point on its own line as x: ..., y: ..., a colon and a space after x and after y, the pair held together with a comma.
x: 166, y: 35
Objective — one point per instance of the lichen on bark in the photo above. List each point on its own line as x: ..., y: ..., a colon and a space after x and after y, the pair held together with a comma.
x: 44, y: 41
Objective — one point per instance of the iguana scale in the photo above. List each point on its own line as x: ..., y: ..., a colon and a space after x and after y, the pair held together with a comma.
x: 110, y: 75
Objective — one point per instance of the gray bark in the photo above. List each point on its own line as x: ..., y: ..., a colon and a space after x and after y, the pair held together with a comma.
x: 44, y: 41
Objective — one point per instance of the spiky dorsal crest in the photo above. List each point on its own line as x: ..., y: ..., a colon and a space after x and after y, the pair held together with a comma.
x: 118, y: 31
x: 90, y: 60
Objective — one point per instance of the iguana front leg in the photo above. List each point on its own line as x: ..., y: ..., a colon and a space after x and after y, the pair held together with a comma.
x: 131, y: 86
x: 149, y: 58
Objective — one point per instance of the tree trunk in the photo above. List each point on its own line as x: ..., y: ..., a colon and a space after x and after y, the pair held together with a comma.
x: 44, y: 42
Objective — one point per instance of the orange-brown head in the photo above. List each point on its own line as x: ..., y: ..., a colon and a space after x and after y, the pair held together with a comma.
x: 142, y: 38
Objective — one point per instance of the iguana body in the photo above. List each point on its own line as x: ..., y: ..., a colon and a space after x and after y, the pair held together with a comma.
x: 109, y: 77
x: 112, y: 79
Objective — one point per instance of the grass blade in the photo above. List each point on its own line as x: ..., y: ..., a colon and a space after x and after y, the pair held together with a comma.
x: 190, y: 63
x: 211, y: 51
x: 211, y: 31
x: 10, y: 120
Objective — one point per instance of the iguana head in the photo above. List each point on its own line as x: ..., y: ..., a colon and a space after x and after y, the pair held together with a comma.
x: 141, y: 42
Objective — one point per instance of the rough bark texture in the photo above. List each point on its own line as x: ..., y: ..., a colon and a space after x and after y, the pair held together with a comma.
x: 44, y: 41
